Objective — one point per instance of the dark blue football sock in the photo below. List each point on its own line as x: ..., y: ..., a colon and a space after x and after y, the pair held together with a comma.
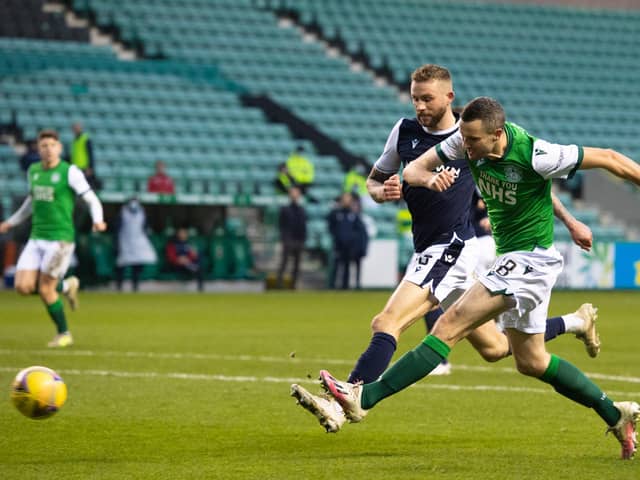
x: 555, y: 327
x: 431, y: 317
x: 375, y: 359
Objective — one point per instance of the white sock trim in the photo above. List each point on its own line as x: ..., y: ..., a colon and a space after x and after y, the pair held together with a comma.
x: 573, y: 323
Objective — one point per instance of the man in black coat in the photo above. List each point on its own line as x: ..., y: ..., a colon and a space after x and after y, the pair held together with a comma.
x: 293, y: 234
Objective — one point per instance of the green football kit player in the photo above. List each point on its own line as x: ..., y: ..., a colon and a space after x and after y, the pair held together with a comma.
x: 513, y: 171
x: 53, y: 186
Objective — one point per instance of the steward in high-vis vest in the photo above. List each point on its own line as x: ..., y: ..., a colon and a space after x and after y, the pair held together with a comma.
x: 81, y: 155
x: 283, y: 180
x: 355, y: 181
x: 300, y: 169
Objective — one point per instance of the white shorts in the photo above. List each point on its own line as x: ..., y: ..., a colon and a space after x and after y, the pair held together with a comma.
x: 529, y: 278
x: 486, y: 254
x: 51, y: 257
x: 445, y: 269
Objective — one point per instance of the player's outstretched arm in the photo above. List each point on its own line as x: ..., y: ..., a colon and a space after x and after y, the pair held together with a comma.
x: 419, y: 172
x: 383, y: 187
x: 580, y: 233
x: 95, y: 209
x: 18, y: 217
x: 612, y: 161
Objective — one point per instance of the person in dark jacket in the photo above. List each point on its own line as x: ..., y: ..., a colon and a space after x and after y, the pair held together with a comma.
x: 30, y: 156
x: 345, y: 226
x: 293, y: 234
x: 361, y: 239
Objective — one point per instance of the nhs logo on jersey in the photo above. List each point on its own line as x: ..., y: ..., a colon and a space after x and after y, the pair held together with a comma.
x: 503, y: 191
x: 43, y: 193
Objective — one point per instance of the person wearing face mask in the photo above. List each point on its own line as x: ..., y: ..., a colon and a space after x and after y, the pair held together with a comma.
x: 134, y: 248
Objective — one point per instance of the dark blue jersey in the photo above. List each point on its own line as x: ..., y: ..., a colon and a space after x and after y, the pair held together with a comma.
x: 435, y: 215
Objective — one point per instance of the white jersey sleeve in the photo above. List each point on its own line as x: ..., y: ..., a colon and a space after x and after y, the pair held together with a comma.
x: 22, y: 213
x: 552, y: 160
x: 390, y: 161
x: 95, y: 207
x: 452, y: 148
x: 77, y: 180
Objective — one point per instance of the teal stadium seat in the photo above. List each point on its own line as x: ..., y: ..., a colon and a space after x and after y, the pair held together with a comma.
x: 537, y: 59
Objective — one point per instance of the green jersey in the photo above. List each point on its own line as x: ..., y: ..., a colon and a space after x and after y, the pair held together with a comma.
x: 53, y: 197
x: 517, y: 187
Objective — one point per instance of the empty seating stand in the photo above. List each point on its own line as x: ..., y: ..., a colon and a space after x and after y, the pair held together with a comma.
x: 26, y: 18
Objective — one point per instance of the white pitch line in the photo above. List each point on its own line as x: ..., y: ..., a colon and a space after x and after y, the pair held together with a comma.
x: 289, y: 380
x: 173, y: 356
x: 269, y: 359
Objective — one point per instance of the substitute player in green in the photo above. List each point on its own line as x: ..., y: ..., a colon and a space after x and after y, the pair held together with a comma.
x: 513, y: 171
x: 53, y: 185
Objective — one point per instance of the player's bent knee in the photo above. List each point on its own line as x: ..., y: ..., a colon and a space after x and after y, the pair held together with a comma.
x: 383, y: 322
x: 378, y: 323
x: 25, y: 288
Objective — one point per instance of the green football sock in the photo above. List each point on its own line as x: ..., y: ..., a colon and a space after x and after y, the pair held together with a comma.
x: 410, y: 368
x: 567, y: 380
x: 60, y: 286
x: 56, y: 312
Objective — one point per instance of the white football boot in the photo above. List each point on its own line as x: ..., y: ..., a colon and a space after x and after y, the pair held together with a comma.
x: 73, y: 285
x: 625, y: 429
x: 443, y: 368
x: 326, y: 410
x: 589, y: 336
x: 348, y: 395
x: 61, y: 340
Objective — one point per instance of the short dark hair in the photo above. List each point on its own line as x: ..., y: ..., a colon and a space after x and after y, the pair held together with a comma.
x: 48, y: 133
x: 429, y: 72
x: 486, y: 109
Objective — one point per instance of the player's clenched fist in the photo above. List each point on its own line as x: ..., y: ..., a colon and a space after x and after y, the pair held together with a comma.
x: 441, y: 181
x: 392, y: 189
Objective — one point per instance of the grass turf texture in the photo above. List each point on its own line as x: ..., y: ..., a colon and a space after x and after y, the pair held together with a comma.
x: 156, y: 391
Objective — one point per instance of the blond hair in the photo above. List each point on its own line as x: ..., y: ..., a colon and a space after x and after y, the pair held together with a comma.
x: 429, y: 72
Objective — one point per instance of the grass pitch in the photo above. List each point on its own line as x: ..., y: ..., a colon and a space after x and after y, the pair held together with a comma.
x: 197, y: 386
